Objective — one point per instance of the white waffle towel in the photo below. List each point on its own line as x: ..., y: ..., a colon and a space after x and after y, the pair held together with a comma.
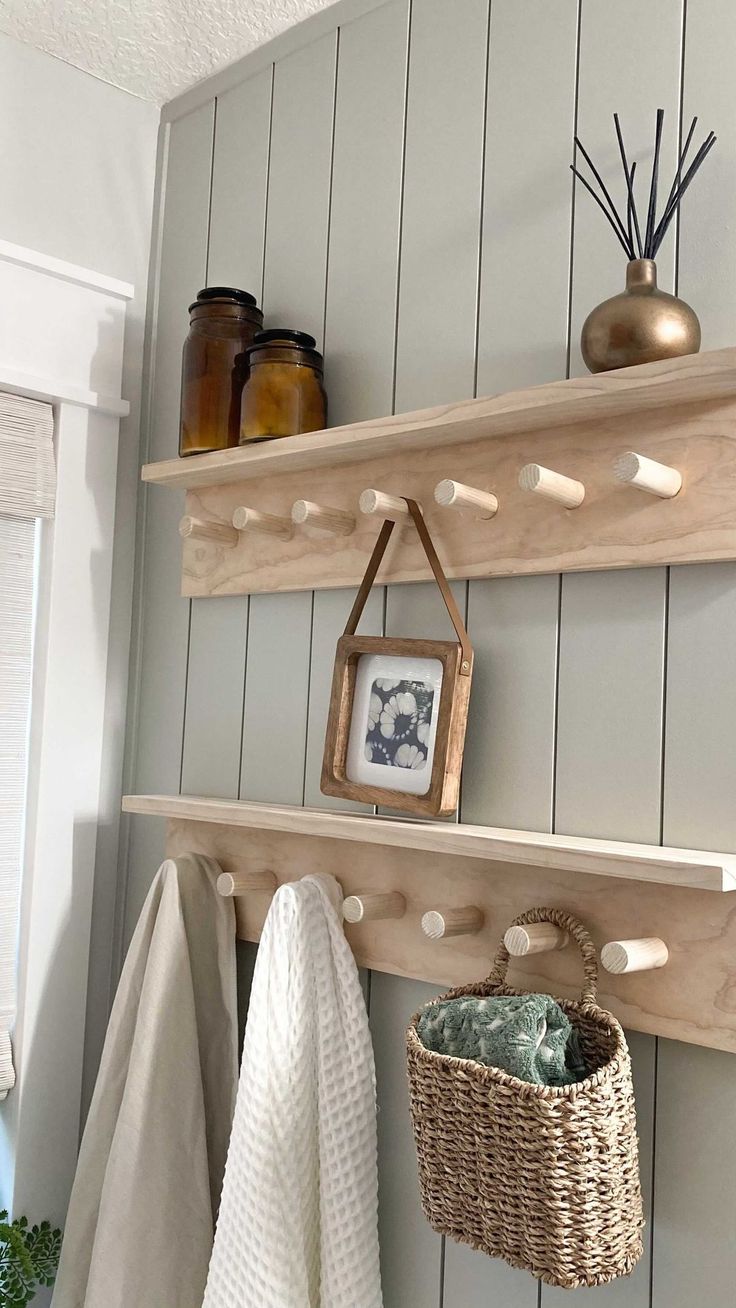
x: 298, y: 1219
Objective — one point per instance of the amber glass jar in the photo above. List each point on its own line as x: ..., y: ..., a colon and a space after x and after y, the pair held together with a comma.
x: 222, y: 324
x: 283, y: 395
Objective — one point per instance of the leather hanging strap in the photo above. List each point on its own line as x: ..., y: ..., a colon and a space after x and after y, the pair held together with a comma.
x: 374, y: 563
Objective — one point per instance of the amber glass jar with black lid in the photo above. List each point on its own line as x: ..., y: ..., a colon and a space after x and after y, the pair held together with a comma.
x: 284, y: 394
x: 223, y: 322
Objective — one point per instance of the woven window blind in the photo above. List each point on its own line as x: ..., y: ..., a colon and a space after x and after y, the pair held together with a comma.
x: 27, y: 491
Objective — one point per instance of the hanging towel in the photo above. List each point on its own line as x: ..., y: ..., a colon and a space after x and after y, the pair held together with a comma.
x: 298, y: 1219
x: 528, y: 1036
x: 141, y: 1217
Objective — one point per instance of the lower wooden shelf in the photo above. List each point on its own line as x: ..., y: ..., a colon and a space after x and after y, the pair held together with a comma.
x: 619, y: 890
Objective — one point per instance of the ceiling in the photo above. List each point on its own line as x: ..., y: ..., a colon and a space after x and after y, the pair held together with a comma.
x: 153, y: 48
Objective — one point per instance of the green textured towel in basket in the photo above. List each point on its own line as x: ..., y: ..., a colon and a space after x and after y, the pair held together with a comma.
x: 528, y: 1036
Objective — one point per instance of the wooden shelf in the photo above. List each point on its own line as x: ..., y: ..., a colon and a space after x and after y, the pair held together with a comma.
x: 609, y: 858
x: 486, y: 877
x: 239, y: 536
x: 694, y: 379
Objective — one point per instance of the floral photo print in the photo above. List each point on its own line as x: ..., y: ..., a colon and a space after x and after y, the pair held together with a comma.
x: 394, y: 722
x: 398, y: 723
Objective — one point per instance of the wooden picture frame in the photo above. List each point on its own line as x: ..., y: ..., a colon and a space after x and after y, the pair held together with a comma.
x: 431, y: 677
x: 442, y: 795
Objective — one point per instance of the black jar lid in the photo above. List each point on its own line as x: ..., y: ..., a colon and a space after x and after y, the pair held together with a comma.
x: 228, y: 293
x: 287, y: 335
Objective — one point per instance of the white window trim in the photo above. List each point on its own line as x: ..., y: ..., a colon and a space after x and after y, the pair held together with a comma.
x: 39, y: 1120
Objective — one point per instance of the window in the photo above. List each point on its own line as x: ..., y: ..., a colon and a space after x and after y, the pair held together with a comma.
x: 27, y: 488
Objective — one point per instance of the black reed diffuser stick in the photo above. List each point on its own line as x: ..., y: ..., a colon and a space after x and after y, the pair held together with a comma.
x: 628, y: 233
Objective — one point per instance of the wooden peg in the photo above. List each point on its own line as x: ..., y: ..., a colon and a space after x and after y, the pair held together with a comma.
x: 383, y: 506
x: 268, y: 524
x: 454, y: 495
x: 373, y: 908
x: 648, y: 475
x: 335, y: 521
x: 452, y: 922
x: 620, y: 956
x: 245, y: 883
x: 552, y: 485
x: 536, y: 938
x: 201, y: 529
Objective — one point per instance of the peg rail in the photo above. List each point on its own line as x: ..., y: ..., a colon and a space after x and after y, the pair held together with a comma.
x: 439, y: 898
x: 626, y: 469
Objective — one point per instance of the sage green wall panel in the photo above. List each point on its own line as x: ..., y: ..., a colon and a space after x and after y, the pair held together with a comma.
x: 609, y: 736
x: 158, y: 698
x: 694, y: 1247
x: 707, y: 250
x: 410, y: 1251
x: 525, y: 251
x: 508, y: 772
x: 417, y: 610
x: 412, y: 222
x: 331, y: 609
x: 700, y: 740
x: 630, y: 57
x: 694, y: 1251
x: 239, y: 180
x: 440, y: 240
x: 276, y: 697
x: 365, y: 215
x: 214, y: 714
x: 473, y: 1280
x: 299, y: 187
x: 629, y: 1291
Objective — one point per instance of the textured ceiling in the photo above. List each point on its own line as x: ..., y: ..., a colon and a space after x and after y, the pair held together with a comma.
x: 154, y: 48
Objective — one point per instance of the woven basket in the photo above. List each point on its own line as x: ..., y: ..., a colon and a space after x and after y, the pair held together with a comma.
x: 544, y: 1177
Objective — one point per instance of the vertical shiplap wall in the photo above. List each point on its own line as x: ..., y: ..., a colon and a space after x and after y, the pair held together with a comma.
x: 399, y: 186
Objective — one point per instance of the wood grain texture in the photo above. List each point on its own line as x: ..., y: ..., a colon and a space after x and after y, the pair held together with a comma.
x: 671, y: 867
x: 615, y: 527
x: 693, y: 998
x: 696, y: 379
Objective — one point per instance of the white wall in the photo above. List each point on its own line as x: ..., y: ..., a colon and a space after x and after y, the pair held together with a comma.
x: 77, y: 160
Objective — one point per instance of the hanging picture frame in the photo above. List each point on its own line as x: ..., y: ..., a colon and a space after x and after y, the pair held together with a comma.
x: 399, y: 707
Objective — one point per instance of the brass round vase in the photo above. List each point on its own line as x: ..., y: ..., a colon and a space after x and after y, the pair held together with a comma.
x: 640, y: 325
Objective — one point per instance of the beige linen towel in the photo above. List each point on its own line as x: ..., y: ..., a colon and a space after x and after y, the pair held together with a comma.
x: 141, y: 1217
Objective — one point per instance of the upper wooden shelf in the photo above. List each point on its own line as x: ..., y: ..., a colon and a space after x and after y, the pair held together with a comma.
x: 694, y: 379
x: 687, y: 868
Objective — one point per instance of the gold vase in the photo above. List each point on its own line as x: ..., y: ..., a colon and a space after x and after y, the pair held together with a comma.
x: 640, y: 325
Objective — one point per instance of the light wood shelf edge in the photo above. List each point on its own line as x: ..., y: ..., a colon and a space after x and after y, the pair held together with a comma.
x: 684, y: 868
x: 694, y: 379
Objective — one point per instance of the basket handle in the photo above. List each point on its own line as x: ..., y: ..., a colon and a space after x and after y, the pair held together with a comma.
x: 574, y: 928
